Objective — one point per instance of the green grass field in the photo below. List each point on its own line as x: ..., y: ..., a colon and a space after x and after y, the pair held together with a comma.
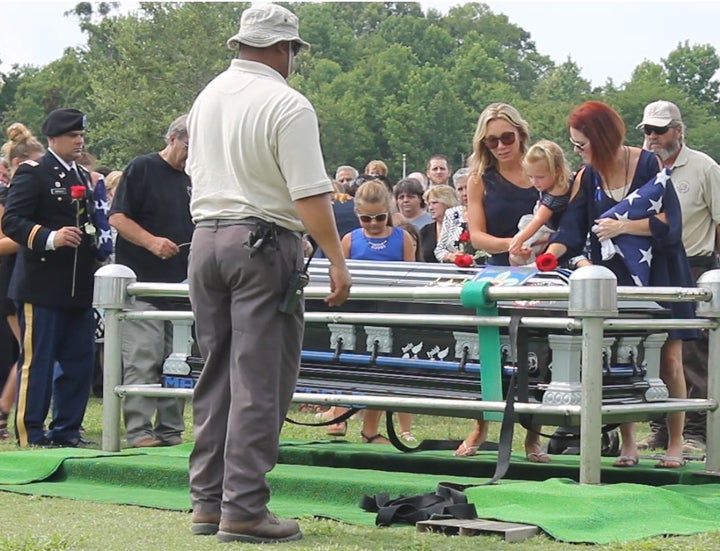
x: 33, y: 523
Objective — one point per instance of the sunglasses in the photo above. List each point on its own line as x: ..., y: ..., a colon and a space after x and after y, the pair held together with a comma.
x: 507, y: 138
x: 367, y: 218
x: 659, y: 130
x: 581, y: 146
x: 296, y: 47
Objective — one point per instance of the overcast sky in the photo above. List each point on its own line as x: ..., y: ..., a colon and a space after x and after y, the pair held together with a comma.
x: 606, y: 39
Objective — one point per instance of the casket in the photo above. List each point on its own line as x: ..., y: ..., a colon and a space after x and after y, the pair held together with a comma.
x: 364, y: 347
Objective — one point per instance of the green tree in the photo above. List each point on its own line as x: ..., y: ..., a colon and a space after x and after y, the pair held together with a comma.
x: 693, y: 68
x: 61, y: 83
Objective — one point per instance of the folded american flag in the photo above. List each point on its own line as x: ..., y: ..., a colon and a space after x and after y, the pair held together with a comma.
x: 99, y: 217
x: 636, y: 250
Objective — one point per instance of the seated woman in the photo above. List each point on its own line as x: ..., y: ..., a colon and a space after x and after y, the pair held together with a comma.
x: 612, y: 172
x: 439, y: 199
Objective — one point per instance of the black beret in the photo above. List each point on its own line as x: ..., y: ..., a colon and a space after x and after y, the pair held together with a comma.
x: 61, y: 121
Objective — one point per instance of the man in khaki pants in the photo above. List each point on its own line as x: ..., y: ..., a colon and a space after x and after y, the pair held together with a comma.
x: 258, y: 182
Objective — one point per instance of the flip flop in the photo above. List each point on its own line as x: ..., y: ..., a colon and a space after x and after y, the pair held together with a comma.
x: 537, y: 457
x: 338, y: 429
x: 670, y: 462
x: 626, y: 461
x: 465, y: 450
x: 374, y: 439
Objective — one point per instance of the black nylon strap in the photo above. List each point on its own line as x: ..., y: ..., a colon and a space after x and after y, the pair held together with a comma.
x: 339, y: 419
x: 446, y: 502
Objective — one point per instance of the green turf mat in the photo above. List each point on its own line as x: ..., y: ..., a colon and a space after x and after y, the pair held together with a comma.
x: 160, y: 480
x: 25, y: 466
x: 568, y: 511
x: 583, y: 513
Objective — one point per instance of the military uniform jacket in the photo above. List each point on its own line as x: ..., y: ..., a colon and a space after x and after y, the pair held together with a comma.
x: 39, y: 202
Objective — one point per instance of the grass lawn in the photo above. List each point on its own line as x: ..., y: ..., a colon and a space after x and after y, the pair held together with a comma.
x: 34, y: 523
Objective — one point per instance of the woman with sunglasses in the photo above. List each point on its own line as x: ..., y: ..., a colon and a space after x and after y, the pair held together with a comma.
x: 612, y: 172
x: 499, y: 194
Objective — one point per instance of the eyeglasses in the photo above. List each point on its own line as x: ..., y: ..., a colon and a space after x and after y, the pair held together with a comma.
x: 659, y: 130
x: 581, y: 146
x: 184, y: 144
x: 367, y: 218
x: 507, y: 138
x: 296, y: 47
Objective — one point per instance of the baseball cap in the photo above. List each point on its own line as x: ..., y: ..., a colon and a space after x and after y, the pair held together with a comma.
x: 660, y: 113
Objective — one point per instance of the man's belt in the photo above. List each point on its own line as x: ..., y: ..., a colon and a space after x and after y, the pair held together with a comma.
x: 249, y: 221
x: 707, y: 262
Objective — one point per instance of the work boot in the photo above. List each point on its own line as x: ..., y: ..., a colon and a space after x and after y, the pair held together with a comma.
x: 266, y: 529
x: 204, y: 523
x: 693, y: 446
x: 653, y: 441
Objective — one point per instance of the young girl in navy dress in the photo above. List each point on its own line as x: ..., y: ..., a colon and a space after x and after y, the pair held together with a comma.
x: 546, y: 168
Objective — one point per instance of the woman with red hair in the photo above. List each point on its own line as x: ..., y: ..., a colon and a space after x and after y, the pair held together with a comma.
x: 613, y: 172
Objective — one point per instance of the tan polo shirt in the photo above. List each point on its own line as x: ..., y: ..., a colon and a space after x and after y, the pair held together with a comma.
x: 254, y: 148
x: 696, y: 178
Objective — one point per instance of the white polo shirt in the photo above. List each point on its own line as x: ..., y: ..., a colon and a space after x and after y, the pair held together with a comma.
x: 254, y: 148
x: 696, y: 178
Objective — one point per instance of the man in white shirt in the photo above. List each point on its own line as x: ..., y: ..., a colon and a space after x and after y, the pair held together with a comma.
x: 258, y: 182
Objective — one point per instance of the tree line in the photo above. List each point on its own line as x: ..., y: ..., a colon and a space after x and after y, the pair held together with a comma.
x: 387, y: 79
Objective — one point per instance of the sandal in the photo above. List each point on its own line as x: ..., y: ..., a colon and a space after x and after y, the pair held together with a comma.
x: 4, y: 432
x: 465, y: 450
x: 626, y: 461
x: 670, y: 462
x: 374, y: 439
x: 537, y: 457
x: 408, y: 436
x: 338, y: 429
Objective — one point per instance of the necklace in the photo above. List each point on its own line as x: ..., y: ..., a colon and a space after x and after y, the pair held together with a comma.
x: 617, y: 194
x: 376, y: 245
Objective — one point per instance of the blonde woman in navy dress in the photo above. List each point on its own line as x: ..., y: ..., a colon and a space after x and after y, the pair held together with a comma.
x: 499, y: 194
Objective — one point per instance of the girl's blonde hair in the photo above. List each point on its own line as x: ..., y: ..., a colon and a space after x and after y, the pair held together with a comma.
x: 482, y: 158
x: 21, y: 144
x: 552, y: 155
x: 374, y: 191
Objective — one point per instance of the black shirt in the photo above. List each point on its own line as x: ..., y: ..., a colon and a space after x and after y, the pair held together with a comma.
x: 157, y: 197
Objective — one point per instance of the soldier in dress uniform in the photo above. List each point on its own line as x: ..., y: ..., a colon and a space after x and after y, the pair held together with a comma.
x: 47, y: 214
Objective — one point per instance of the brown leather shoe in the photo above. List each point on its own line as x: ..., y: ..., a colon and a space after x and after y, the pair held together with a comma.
x: 204, y: 523
x: 147, y: 442
x: 266, y: 529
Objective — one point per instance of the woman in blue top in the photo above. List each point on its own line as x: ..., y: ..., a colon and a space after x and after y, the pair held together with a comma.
x: 499, y: 194
x: 614, y: 171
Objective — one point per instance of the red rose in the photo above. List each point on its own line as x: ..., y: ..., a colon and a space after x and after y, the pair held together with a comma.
x: 464, y: 236
x: 464, y: 260
x: 77, y: 192
x: 546, y: 262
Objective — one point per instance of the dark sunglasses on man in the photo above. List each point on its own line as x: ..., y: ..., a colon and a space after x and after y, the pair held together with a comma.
x: 492, y: 142
x: 659, y: 130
